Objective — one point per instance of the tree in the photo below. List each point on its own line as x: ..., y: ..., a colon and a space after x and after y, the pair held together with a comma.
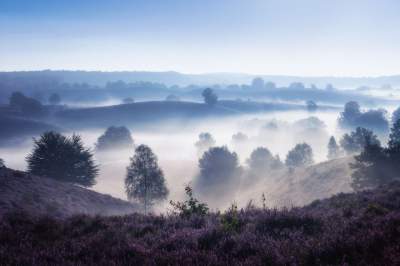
x: 145, y: 180
x: 218, y: 167
x: 115, y: 137
x: 349, y: 115
x: 210, y: 97
x: 333, y: 149
x: 26, y: 105
x: 2, y: 163
x: 205, y: 142
x: 128, y: 100
x: 62, y: 158
x: 262, y: 160
x: 258, y: 84
x: 377, y: 165
x: 189, y: 207
x: 54, y: 99
x: 311, y: 106
x: 300, y: 155
x: 356, y: 141
x: 396, y: 115
x: 239, y: 137
x: 172, y: 98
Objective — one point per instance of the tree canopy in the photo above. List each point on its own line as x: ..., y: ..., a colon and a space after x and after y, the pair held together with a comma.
x: 209, y: 97
x: 115, y: 137
x: 300, y: 155
x: 145, y: 180
x: 62, y: 158
x: 356, y: 140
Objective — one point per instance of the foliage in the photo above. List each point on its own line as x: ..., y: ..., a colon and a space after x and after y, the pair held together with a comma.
x: 172, y: 98
x: 115, y: 137
x: 230, y: 221
x: 300, y: 155
x: 378, y: 165
x: 239, y: 137
x: 189, y: 207
x: 261, y: 159
x: 352, y: 117
x: 54, y: 99
x: 356, y: 140
x: 210, y: 97
x: 62, y: 158
x: 145, y: 180
x: 26, y: 105
x: 2, y: 163
x: 205, y: 142
x: 396, y: 115
x: 311, y: 106
x: 347, y: 229
x: 333, y: 149
x: 128, y: 100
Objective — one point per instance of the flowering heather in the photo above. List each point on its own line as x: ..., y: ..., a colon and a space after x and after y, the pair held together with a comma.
x: 347, y: 229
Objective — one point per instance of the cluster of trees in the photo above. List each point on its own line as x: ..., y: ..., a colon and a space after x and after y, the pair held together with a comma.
x: 115, y: 137
x: 351, y: 143
x: 209, y: 97
x: 377, y: 165
x: 66, y: 159
x: 205, y: 142
x: 26, y: 106
x: 353, y: 117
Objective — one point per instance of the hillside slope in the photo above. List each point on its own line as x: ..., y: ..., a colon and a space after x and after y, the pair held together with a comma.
x: 347, y: 229
x: 38, y: 195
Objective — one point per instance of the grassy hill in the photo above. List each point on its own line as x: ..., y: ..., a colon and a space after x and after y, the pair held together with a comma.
x: 42, y: 196
x: 347, y: 229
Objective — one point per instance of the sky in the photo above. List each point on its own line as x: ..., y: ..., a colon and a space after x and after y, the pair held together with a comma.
x: 277, y: 37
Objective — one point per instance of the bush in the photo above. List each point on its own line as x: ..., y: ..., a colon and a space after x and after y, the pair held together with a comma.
x: 189, y: 207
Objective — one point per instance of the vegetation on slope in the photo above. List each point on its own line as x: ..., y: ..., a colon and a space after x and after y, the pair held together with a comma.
x: 356, y: 229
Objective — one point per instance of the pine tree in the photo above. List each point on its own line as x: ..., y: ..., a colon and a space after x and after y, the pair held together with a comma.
x: 145, y: 181
x: 62, y: 158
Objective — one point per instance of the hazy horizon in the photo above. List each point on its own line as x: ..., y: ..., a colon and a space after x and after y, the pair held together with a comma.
x: 307, y: 38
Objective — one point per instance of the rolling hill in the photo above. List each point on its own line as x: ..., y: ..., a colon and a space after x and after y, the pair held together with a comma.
x: 20, y: 191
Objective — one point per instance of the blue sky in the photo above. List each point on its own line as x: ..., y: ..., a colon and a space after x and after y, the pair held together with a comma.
x: 293, y: 37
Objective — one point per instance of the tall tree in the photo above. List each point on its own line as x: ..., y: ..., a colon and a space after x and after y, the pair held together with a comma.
x: 333, y: 149
x: 62, y: 158
x: 377, y: 165
x: 145, y: 180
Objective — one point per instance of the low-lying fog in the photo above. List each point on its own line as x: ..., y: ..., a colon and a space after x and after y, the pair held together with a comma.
x: 173, y: 143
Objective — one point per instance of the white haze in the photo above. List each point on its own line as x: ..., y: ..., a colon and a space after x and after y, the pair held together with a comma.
x: 173, y: 143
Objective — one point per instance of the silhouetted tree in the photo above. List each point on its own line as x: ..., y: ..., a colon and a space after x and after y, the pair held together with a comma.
x: 115, y: 137
x: 377, y: 165
x: 128, y: 100
x: 145, y: 180
x: 262, y: 160
x: 210, y: 97
x: 352, y: 117
x: 356, y: 140
x: 258, y: 84
x: 239, y: 137
x: 54, y: 99
x: 26, y: 105
x: 205, y: 142
x: 333, y: 149
x: 396, y: 115
x: 350, y: 114
x: 172, y: 98
x: 62, y: 158
x: 2, y: 163
x: 218, y: 166
x: 300, y: 155
x: 270, y: 86
x: 311, y: 106
x: 296, y: 86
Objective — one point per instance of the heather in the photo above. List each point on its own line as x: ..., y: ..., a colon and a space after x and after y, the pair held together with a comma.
x: 348, y: 229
